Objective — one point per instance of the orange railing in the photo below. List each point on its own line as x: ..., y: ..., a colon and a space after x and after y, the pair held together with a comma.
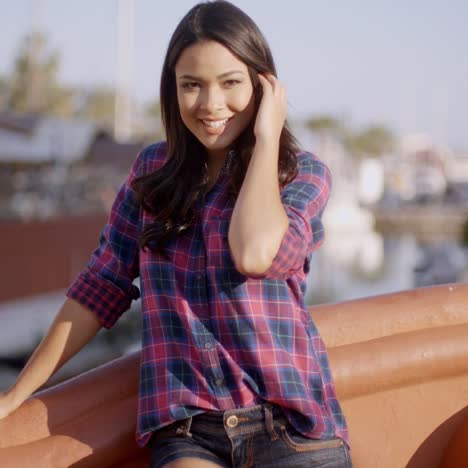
x: 400, y: 363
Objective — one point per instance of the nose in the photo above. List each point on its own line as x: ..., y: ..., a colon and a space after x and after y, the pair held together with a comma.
x: 212, y: 99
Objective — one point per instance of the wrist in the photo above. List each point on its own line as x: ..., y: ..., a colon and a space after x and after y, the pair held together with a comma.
x: 13, y: 397
x: 267, y: 144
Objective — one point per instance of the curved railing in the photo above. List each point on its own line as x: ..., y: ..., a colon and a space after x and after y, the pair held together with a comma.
x: 400, y: 363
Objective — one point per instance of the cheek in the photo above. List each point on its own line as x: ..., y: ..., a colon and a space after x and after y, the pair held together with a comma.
x: 239, y: 98
x: 242, y: 100
x: 248, y: 108
x: 185, y: 105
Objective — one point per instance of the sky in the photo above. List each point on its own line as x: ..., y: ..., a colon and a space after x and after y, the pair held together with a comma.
x: 400, y: 63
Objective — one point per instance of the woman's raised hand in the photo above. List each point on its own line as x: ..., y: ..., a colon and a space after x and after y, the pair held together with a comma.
x: 272, y: 110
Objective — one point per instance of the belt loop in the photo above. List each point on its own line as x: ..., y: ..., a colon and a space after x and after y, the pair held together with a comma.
x: 184, y: 428
x: 270, y: 428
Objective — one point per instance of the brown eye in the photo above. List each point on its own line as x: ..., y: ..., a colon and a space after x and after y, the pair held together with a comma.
x: 231, y: 83
x: 190, y: 85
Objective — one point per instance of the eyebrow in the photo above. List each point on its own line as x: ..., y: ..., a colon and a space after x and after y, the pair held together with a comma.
x: 197, y: 78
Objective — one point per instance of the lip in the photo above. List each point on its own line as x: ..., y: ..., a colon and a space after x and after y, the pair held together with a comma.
x: 213, y: 119
x: 216, y: 130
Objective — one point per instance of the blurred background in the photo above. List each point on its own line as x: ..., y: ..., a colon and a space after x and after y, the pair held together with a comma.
x: 378, y: 90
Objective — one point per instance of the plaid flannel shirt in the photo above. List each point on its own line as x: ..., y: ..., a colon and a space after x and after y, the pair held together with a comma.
x: 214, y: 339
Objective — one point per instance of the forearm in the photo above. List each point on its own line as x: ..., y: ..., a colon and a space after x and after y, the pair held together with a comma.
x: 72, y: 328
x: 258, y: 221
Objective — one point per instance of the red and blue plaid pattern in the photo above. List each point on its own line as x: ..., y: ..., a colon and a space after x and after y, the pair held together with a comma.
x: 214, y: 339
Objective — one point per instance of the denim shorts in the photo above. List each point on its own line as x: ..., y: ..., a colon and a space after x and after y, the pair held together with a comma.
x: 259, y: 436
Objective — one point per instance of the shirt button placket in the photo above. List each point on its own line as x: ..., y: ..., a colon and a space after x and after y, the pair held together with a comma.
x: 219, y: 382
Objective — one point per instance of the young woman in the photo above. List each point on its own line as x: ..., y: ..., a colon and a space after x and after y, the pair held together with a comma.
x: 219, y: 222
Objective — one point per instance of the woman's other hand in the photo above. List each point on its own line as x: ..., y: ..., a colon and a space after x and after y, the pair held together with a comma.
x: 7, y: 404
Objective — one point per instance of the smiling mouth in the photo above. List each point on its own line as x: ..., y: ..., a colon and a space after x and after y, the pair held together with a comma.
x: 215, y: 123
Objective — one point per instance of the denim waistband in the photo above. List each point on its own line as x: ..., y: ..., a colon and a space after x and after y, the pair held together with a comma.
x: 236, y: 422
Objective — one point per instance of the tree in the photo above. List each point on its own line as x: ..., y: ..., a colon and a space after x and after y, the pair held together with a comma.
x: 97, y: 104
x: 34, y: 86
x: 4, y: 92
x: 153, y: 110
x: 373, y: 141
x: 326, y: 124
x: 153, y: 123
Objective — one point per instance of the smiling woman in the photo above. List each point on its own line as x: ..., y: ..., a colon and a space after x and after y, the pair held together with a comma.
x: 220, y: 222
x: 215, y: 97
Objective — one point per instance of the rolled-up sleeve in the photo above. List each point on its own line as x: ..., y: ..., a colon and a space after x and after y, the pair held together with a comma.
x: 105, y: 285
x: 304, y: 200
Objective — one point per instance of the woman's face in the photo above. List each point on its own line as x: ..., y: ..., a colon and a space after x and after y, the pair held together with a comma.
x: 215, y: 95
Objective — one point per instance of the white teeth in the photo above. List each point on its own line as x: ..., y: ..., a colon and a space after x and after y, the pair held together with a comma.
x: 214, y: 123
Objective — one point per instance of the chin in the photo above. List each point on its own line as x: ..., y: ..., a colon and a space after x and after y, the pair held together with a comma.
x: 220, y: 145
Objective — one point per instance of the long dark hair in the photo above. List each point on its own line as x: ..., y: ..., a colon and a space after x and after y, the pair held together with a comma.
x: 170, y: 193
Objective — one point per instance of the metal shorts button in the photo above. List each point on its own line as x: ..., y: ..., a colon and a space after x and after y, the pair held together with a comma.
x: 232, y: 421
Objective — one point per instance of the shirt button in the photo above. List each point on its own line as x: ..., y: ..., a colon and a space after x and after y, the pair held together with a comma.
x: 219, y: 382
x: 232, y: 421
x: 208, y: 345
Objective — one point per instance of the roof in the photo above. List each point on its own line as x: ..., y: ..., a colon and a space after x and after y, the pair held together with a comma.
x: 105, y: 151
x: 38, y: 139
x: 16, y: 122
